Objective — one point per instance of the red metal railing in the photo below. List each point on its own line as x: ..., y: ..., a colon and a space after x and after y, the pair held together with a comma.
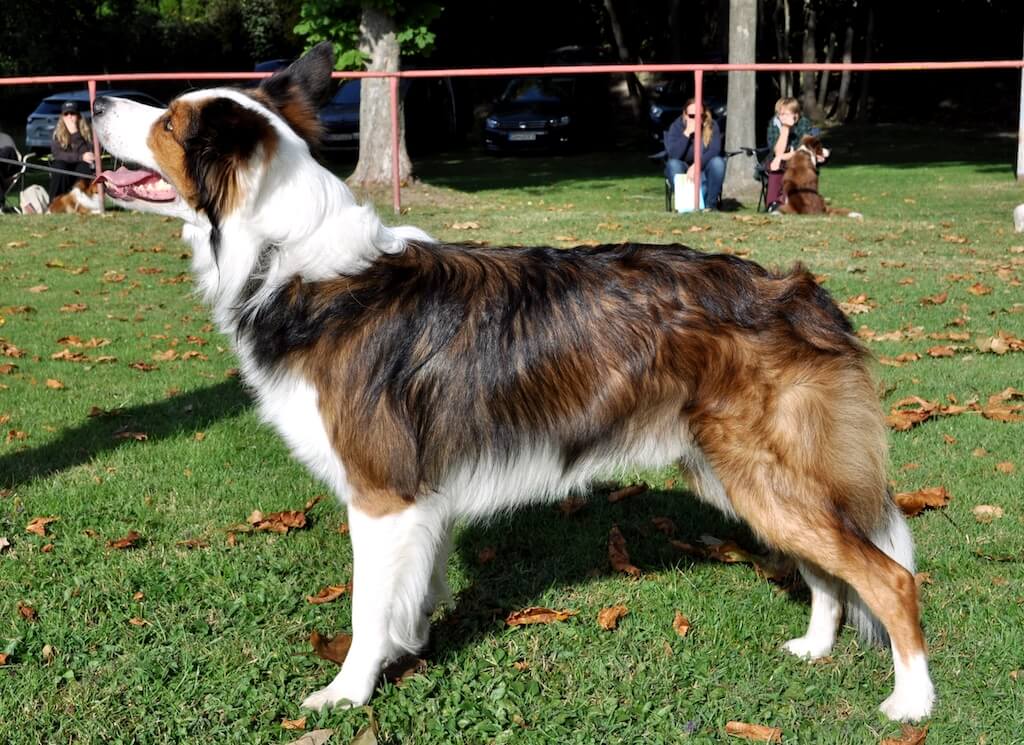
x: 698, y: 71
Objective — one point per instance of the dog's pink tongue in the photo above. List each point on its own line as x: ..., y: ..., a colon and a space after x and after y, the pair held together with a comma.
x: 125, y: 177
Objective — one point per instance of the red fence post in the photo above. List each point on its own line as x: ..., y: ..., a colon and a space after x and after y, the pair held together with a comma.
x: 98, y: 162
x: 396, y: 186
x: 698, y: 132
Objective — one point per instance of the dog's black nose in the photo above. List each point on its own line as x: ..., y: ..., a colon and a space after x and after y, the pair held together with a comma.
x: 101, y: 104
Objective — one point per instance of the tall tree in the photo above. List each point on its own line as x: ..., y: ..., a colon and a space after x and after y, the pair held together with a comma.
x: 372, y: 34
x: 740, y: 99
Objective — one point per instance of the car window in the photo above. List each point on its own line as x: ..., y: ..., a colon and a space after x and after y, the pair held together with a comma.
x: 47, y: 108
x: 538, y: 89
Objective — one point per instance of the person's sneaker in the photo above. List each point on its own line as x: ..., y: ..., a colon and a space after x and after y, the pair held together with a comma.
x: 774, y: 207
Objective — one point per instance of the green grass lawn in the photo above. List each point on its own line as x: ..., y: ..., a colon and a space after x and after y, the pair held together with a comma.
x: 165, y: 642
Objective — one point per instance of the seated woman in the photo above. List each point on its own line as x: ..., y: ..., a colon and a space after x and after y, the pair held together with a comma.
x: 785, y: 131
x: 71, y: 147
x: 679, y: 149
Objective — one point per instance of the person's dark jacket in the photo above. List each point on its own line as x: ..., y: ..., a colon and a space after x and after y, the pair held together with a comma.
x: 78, y: 147
x: 679, y: 147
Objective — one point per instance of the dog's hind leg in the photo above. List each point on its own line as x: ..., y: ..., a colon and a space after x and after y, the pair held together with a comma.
x: 394, y: 559
x: 826, y: 613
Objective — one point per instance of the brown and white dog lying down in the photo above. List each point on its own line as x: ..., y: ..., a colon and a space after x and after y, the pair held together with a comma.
x: 800, y: 181
x: 83, y: 199
x: 427, y: 383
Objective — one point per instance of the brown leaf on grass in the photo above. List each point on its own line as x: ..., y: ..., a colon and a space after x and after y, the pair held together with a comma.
x: 617, y: 553
x: 9, y: 350
x: 608, y: 618
x: 8, y: 368
x: 316, y: 737
x: 128, y: 434
x: 909, y: 736
x: 858, y: 304
x: 165, y: 356
x: 128, y: 541
x: 328, y: 594
x: 334, y: 648
x: 689, y: 549
x: 74, y: 308
x: 923, y: 578
x: 68, y: 356
x: 404, y: 668
x: 16, y: 435
x: 915, y: 502
x: 76, y: 341
x: 986, y: 513
x: 935, y: 299
x: 753, y: 732
x: 38, y: 288
x: 1001, y: 343
x: 193, y: 543
x: 136, y: 621
x: 54, y: 385
x: 949, y: 439
x: 911, y: 411
x: 293, y: 724
x: 978, y: 289
x: 535, y: 614
x: 3, y: 659
x: 941, y: 351
x: 681, y: 624
x: 1006, y: 467
x: 727, y: 552
x: 37, y: 526
x: 27, y: 612
x: 468, y: 225
x: 143, y: 366
x: 629, y: 491
x: 278, y: 522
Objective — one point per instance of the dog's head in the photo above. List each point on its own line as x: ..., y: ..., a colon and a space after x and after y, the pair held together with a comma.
x: 813, y: 147
x: 207, y: 153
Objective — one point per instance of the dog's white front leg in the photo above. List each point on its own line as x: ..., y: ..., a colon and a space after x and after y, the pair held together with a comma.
x: 394, y: 557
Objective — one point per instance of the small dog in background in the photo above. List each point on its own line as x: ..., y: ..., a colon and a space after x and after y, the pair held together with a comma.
x: 83, y: 199
x: 800, y: 184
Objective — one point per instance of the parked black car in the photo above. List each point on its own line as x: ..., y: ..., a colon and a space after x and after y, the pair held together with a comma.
x: 666, y: 101
x: 41, y: 122
x: 554, y: 112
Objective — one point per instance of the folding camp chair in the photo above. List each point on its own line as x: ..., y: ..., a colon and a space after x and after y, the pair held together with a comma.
x: 11, y: 174
x: 758, y: 153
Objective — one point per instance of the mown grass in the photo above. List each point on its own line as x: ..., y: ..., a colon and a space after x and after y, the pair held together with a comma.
x: 223, y: 654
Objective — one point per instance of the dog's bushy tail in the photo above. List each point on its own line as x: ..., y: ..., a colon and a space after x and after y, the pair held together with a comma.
x: 892, y: 536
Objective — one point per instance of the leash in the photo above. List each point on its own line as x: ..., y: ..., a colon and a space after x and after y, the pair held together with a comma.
x: 48, y: 169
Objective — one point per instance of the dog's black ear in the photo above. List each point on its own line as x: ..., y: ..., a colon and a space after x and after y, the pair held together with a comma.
x: 310, y: 74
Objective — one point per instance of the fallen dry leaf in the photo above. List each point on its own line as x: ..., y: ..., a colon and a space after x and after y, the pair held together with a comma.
x: 8, y: 368
x: 571, y: 505
x: 294, y: 724
x: 630, y: 491
x: 608, y: 618
x: 27, y: 612
x: 128, y: 541
x: 753, y: 732
x: 404, y: 668
x: 74, y: 308
x: 986, y: 513
x: 910, y: 736
x: 136, y: 621
x: 1005, y: 467
x: 278, y: 522
x: 935, y: 299
x: 54, y: 385
x: 979, y: 289
x: 3, y: 659
x: 316, y: 737
x: 535, y: 614
x: 334, y: 649
x: 664, y: 525
x: 617, y: 553
x: 941, y: 351
x: 681, y: 624
x: 327, y: 594
x: 143, y: 366
x: 38, y: 525
x: 193, y: 543
x: 914, y: 503
x: 468, y: 225
x: 857, y: 305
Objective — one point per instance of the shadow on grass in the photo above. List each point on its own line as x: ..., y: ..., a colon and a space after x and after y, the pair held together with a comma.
x: 538, y: 548
x: 187, y: 412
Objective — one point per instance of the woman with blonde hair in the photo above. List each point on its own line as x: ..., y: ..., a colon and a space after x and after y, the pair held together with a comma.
x: 71, y: 147
x: 679, y: 150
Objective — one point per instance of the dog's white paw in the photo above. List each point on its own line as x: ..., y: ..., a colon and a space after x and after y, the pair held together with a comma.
x: 336, y: 696
x: 808, y: 648
x: 909, y: 705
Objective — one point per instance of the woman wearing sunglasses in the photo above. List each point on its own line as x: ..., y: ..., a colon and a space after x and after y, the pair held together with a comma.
x: 71, y: 147
x: 679, y: 151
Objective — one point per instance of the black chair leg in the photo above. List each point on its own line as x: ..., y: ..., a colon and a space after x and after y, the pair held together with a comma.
x: 668, y: 196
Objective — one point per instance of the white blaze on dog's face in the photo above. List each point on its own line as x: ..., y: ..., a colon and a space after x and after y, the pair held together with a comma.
x: 202, y: 156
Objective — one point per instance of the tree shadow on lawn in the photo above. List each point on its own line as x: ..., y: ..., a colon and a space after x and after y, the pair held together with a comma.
x: 911, y: 146
x: 538, y: 548
x: 184, y: 413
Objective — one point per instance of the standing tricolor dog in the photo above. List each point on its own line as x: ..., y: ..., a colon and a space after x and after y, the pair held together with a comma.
x: 427, y: 382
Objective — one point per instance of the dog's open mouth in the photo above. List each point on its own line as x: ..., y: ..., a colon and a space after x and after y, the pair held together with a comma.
x: 143, y: 185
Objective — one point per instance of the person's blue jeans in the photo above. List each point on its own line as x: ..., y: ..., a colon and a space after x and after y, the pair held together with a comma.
x: 712, y: 173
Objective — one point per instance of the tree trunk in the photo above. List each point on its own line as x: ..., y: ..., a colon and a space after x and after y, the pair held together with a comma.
x: 675, y: 29
x: 739, y: 180
x: 620, y: 44
x: 378, y: 39
x: 1020, y: 131
x: 830, y: 51
x: 782, y: 46
x: 842, y: 107
x: 808, y: 98
x: 862, y: 98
